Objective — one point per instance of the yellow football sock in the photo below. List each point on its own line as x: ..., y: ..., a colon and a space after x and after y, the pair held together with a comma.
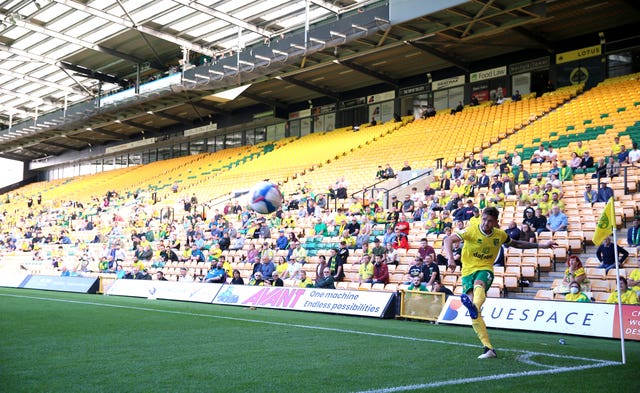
x: 481, y: 330
x: 479, y: 296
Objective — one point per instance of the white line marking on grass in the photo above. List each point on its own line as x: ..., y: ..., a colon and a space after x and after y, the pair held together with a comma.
x: 486, y: 378
x: 600, y: 363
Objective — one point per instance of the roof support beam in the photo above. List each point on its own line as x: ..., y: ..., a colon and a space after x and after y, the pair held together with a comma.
x: 56, y: 144
x: 172, y: 117
x: 264, y: 100
x: 113, y: 135
x: 478, y: 15
x: 83, y: 43
x: 369, y: 72
x: 309, y: 86
x: 140, y: 126
x: 326, y: 5
x: 435, y: 52
x: 37, y: 150
x: 223, y: 16
x: 42, y: 82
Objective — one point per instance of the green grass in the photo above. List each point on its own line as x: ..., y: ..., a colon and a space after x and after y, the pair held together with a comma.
x: 60, y: 342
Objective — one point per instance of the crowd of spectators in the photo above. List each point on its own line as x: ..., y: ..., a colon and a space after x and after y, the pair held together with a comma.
x: 134, y: 241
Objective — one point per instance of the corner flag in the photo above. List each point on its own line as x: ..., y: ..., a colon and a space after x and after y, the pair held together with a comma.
x: 605, y: 223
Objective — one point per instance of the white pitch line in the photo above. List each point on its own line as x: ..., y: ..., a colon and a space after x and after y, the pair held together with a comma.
x: 322, y: 328
x: 485, y: 378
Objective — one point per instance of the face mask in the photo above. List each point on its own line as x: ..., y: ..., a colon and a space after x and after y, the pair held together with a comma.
x: 574, y: 290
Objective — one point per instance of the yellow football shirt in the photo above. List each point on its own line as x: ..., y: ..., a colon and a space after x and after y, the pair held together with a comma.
x: 480, y: 249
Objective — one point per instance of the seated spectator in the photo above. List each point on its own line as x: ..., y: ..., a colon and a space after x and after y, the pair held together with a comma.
x: 634, y: 154
x: 633, y: 234
x: 388, y: 172
x: 623, y: 156
x: 513, y: 231
x: 613, y: 168
x: 326, y: 281
x: 575, y: 162
x: 552, y: 155
x: 575, y: 295
x: 365, y: 271
x: 557, y: 220
x: 380, y: 271
x: 304, y: 281
x: 438, y: 287
x: 573, y: 273
x: 527, y: 234
x: 457, y: 108
x: 606, y: 254
x: 183, y: 275
x: 237, y: 279
x: 516, y: 96
x: 257, y: 280
x: 430, y: 270
x: 275, y: 281
x: 634, y: 278
x: 586, y: 162
x: 391, y: 255
x: 216, y: 274
x: 540, y: 221
x: 406, y: 166
x: 627, y: 295
x: 590, y: 195
x: 566, y: 172
x: 417, y: 285
x: 604, y: 192
x: 522, y: 176
x: 539, y: 156
x: 474, y: 101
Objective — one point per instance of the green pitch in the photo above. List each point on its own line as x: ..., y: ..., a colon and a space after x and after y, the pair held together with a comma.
x: 59, y: 342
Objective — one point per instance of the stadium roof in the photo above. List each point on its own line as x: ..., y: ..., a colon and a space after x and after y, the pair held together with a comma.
x: 54, y: 53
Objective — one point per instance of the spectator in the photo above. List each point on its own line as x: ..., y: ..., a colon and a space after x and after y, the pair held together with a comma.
x: 293, y: 270
x: 633, y: 233
x: 336, y: 262
x: 415, y: 270
x: 417, y: 285
x: 601, y: 170
x: 257, y: 280
x: 304, y: 281
x: 586, y: 162
x: 634, y: 278
x: 516, y: 96
x: 613, y: 168
x: 575, y: 162
x: 623, y: 156
x: 566, y: 172
x: 408, y: 205
x: 281, y: 266
x: 267, y: 267
x: 282, y: 242
x: 160, y: 276
x: 557, y: 220
x: 365, y: 271
x: 606, y: 254
x: 483, y: 179
x: 522, y: 176
x: 388, y: 172
x: 474, y: 101
x: 573, y: 273
x: 539, y: 156
x: 513, y: 231
x: 590, y: 195
x: 438, y: 287
x: 391, y: 256
x: 237, y: 279
x: 320, y: 228
x: 275, y: 281
x: 575, y: 295
x: 634, y: 155
x: 457, y: 108
x: 527, y: 234
x: 216, y: 274
x: 430, y: 271
x: 604, y: 192
x: 406, y: 166
x: 184, y: 276
x: 627, y: 295
x: 380, y: 271
x: 327, y: 280
x: 540, y: 221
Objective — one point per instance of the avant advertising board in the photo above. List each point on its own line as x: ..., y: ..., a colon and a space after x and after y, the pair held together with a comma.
x: 364, y: 303
x: 12, y: 279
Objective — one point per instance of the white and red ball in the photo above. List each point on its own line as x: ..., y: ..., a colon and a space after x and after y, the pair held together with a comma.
x: 265, y: 198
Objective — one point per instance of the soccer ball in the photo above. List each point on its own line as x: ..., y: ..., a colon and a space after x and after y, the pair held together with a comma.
x: 265, y: 198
